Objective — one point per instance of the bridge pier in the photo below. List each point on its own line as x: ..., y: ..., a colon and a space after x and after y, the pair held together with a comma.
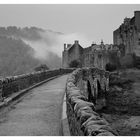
x: 97, y: 86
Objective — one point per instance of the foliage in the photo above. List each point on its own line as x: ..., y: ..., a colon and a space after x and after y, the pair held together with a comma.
x: 42, y: 67
x: 75, y: 64
x: 16, y: 57
x: 110, y: 67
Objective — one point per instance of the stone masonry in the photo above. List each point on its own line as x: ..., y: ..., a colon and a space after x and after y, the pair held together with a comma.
x: 82, y: 104
x: 14, y: 84
x: 128, y: 34
x: 92, y: 56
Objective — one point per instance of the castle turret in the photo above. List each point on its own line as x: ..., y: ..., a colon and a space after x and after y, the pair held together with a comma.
x: 64, y: 47
x: 65, y: 57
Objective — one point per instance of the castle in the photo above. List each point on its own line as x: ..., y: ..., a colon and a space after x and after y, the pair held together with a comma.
x: 92, y: 56
x: 125, y: 51
x: 128, y: 34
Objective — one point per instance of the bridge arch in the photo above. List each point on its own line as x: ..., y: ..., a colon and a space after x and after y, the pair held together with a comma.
x: 91, y: 97
x: 99, y: 90
x: 97, y: 83
x: 82, y: 105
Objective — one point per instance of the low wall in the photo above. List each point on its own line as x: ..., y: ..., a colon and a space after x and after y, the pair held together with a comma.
x: 13, y: 84
x: 82, y: 118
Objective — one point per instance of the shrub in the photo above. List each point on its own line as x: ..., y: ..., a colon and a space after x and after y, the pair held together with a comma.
x: 75, y: 64
x: 110, y: 67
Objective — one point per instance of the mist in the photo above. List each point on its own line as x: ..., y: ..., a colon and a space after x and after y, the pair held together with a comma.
x: 53, y: 42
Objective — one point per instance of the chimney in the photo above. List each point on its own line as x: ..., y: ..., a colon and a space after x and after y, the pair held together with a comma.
x: 76, y: 42
x: 64, y: 47
x: 93, y: 44
x: 102, y: 42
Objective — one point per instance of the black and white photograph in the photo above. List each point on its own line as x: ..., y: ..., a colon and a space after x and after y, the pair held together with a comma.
x: 69, y: 69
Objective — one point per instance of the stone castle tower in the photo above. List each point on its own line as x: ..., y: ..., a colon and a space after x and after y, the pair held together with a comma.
x: 71, y: 53
x: 128, y: 34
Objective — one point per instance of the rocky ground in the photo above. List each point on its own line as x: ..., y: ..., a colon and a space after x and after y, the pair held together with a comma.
x: 123, y: 103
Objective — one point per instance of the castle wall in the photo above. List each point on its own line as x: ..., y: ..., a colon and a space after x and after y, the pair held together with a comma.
x: 88, y: 57
x: 65, y: 59
x: 72, y: 53
x: 93, y: 56
x: 137, y: 19
x: 75, y: 53
x: 128, y: 34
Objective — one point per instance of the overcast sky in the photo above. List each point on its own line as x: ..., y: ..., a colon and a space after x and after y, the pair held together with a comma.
x: 94, y: 21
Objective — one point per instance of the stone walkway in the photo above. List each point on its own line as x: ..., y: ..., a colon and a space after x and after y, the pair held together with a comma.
x: 38, y: 113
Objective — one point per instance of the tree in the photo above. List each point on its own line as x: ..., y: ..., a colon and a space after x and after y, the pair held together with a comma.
x: 42, y: 67
x: 75, y: 64
x: 110, y: 67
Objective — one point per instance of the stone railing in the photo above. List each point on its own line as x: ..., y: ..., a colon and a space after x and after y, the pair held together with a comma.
x: 13, y: 84
x: 82, y: 102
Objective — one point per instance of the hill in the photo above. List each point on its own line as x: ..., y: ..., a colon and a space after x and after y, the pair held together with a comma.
x: 17, y: 56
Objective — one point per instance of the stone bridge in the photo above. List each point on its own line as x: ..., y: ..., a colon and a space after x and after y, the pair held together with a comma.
x: 85, y: 94
x: 14, y: 84
x: 39, y: 111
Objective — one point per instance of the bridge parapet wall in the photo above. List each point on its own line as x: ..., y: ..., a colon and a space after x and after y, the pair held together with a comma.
x: 82, y: 105
x: 13, y: 84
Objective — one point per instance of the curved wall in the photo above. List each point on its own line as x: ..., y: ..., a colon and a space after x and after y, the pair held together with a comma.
x: 13, y: 84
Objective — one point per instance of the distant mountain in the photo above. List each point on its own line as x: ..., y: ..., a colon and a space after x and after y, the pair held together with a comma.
x: 17, y: 55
